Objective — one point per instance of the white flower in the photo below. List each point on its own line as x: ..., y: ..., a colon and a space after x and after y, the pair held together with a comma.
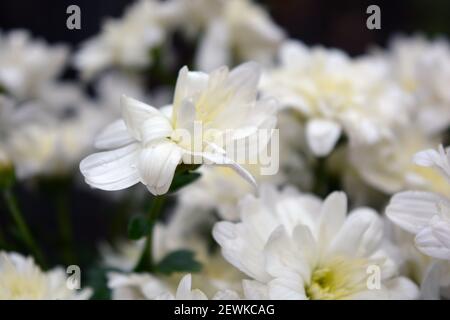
x: 42, y: 143
x: 26, y: 65
x: 236, y: 30
x: 148, y: 287
x: 125, y: 42
x: 335, y: 94
x: 422, y: 67
x: 21, y: 278
x: 432, y: 275
x: 148, y: 144
x: 425, y: 214
x: 295, y: 246
x: 388, y: 166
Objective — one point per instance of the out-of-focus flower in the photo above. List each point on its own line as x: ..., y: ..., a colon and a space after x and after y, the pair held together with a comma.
x: 234, y: 31
x: 294, y: 246
x: 388, y: 166
x: 432, y: 275
x: 27, y: 65
x: 52, y: 145
x: 335, y: 94
x: 146, y: 286
x: 148, y: 145
x: 185, y: 231
x: 422, y: 67
x: 126, y: 42
x: 425, y: 214
x: 21, y: 278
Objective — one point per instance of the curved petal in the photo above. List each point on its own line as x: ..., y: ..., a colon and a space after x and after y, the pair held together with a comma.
x: 115, y: 135
x: 157, y: 165
x: 332, y: 216
x: 434, y: 240
x: 412, y: 210
x: 134, y: 113
x: 322, y: 135
x: 360, y: 235
x: 155, y: 128
x: 213, y: 50
x: 112, y: 170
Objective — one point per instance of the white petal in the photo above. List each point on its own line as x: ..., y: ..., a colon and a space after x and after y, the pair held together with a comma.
x: 401, y: 288
x: 112, y: 170
x: 115, y: 135
x: 134, y: 113
x: 322, y: 135
x: 155, y: 128
x: 289, y: 287
x: 332, y: 216
x: 226, y: 295
x: 412, y: 210
x: 360, y: 235
x: 213, y: 50
x: 157, y: 165
x: 189, y: 85
x: 434, y: 240
x: 254, y: 290
x: 430, y: 286
x: 243, y: 82
x: 282, y: 255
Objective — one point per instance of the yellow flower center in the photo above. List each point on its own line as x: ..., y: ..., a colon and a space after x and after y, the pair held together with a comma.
x: 337, y: 279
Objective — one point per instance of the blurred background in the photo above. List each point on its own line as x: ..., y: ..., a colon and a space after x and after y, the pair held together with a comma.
x: 340, y: 24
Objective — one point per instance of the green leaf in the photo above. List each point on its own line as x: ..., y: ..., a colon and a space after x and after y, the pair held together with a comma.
x: 138, y: 227
x: 183, y: 179
x: 179, y: 261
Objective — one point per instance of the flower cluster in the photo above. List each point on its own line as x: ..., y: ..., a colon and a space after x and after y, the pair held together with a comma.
x: 272, y: 169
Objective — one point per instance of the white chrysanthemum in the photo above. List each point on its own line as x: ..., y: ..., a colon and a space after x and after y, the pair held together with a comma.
x: 127, y: 41
x: 422, y: 67
x: 294, y: 246
x: 148, y: 144
x: 45, y: 144
x: 26, y: 65
x: 148, y: 287
x: 183, y: 232
x: 432, y: 275
x: 334, y: 93
x: 235, y: 31
x: 388, y: 166
x: 425, y: 214
x: 21, y: 278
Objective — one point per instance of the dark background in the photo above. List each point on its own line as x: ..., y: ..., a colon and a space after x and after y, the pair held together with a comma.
x: 339, y: 24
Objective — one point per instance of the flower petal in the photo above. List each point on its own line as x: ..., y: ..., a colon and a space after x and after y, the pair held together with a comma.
x: 155, y: 128
x: 412, y: 210
x: 115, y: 135
x: 322, y: 135
x: 157, y: 165
x: 134, y: 113
x: 112, y: 170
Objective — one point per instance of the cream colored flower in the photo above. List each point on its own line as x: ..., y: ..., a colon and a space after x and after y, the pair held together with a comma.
x: 125, y: 42
x: 294, y: 246
x: 426, y: 214
x: 28, y: 64
x: 388, y: 166
x: 236, y: 31
x: 422, y: 67
x: 336, y: 94
x: 22, y: 279
x: 148, y: 144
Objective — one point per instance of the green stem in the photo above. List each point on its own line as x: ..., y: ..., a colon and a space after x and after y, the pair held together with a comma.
x: 27, y: 237
x: 146, y: 262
